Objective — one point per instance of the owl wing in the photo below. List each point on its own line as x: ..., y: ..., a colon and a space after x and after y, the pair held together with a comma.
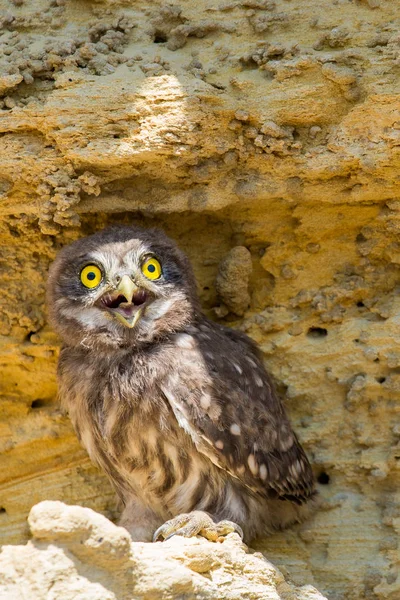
x: 222, y: 396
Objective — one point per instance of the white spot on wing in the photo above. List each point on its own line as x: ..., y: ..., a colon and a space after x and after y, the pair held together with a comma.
x: 258, y: 380
x: 214, y: 411
x: 205, y: 401
x: 235, y: 429
x: 251, y: 461
x: 219, y: 444
x: 183, y: 340
x: 263, y: 472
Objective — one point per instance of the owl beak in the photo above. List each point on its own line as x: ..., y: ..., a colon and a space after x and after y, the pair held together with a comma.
x: 126, y: 303
x: 127, y: 288
x: 128, y: 321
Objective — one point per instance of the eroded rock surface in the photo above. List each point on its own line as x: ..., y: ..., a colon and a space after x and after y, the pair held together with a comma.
x: 270, y: 125
x: 76, y: 553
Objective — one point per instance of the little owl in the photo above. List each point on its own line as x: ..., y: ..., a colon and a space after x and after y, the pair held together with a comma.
x: 177, y: 410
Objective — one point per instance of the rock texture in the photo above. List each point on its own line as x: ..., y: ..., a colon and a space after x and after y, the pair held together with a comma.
x: 78, y: 554
x: 270, y: 125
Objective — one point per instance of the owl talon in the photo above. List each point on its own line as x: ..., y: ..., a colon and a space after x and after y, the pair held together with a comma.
x: 225, y: 527
x: 157, y: 533
x: 197, y: 523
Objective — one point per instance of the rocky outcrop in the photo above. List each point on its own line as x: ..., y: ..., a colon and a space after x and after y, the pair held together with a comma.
x: 271, y: 126
x: 77, y: 553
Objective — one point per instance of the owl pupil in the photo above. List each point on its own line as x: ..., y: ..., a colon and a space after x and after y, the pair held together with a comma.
x: 91, y: 276
x: 151, y: 268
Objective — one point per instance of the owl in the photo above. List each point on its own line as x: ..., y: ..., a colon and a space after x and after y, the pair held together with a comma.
x: 177, y: 410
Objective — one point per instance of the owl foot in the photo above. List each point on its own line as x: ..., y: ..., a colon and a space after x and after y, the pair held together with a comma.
x: 197, y: 523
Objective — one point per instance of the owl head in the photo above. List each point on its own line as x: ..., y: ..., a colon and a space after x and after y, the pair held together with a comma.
x: 120, y: 287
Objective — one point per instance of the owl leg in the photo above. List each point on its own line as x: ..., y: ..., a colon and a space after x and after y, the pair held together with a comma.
x: 139, y: 520
x: 194, y: 523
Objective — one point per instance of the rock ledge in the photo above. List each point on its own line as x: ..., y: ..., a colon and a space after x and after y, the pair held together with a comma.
x: 77, y: 554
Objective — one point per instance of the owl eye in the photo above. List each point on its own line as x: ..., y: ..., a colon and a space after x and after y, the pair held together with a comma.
x: 152, y: 269
x: 91, y: 276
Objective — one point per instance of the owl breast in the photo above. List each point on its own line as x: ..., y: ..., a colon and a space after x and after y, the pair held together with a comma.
x: 130, y: 431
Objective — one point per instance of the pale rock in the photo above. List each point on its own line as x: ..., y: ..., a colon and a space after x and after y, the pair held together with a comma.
x: 77, y: 554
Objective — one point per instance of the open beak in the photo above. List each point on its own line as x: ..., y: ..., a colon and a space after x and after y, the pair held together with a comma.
x: 127, y: 288
x: 126, y: 303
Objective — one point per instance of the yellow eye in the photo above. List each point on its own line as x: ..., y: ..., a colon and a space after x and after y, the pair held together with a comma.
x: 91, y: 276
x: 152, y: 269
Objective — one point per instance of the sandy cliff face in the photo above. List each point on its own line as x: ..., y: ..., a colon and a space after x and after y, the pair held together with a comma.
x: 264, y: 137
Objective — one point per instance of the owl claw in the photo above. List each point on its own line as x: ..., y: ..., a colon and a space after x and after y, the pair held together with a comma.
x: 225, y: 527
x: 197, y: 523
x: 157, y: 533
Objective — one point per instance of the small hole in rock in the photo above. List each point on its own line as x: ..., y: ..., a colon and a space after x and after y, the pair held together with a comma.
x: 317, y: 332
x: 323, y: 478
x: 380, y: 379
x: 360, y: 304
x: 206, y: 288
x: 376, y: 359
x: 160, y: 38
x: 2, y: 510
x: 39, y: 403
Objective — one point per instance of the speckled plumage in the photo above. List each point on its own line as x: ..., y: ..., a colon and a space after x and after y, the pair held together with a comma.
x: 178, y: 411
